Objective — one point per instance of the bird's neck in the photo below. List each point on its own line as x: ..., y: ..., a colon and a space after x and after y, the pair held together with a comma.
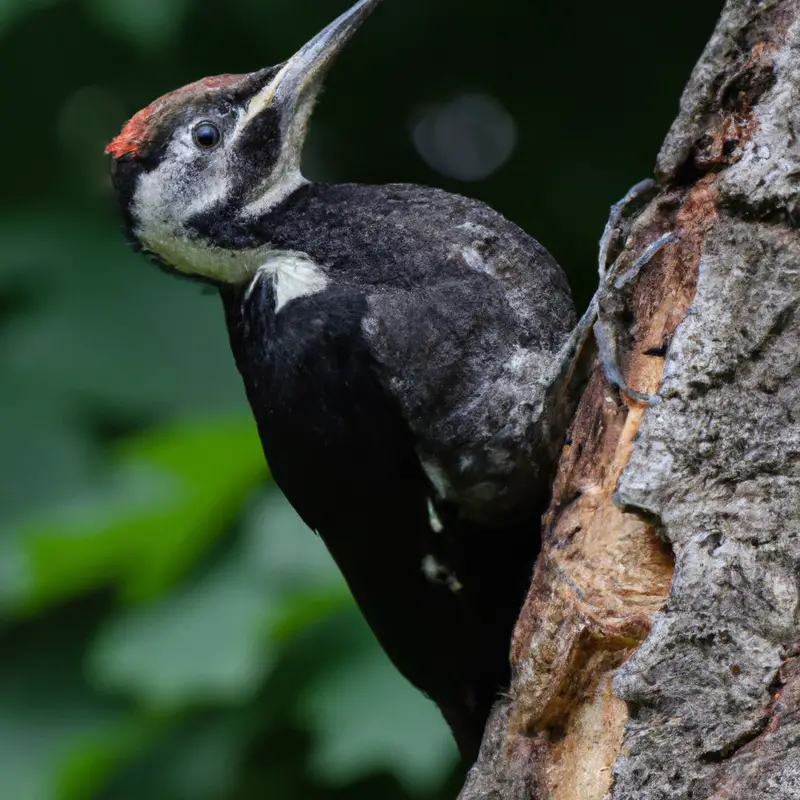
x: 320, y: 223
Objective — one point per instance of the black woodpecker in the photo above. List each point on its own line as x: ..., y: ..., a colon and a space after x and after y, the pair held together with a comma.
x: 402, y: 350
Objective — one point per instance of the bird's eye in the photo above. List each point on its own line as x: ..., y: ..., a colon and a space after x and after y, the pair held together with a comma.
x: 206, y: 135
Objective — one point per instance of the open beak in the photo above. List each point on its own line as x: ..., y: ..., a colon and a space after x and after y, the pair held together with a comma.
x: 297, y: 83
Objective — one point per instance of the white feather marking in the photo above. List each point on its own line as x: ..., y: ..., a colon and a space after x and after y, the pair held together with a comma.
x: 285, y: 176
x: 434, y: 522
x: 285, y: 179
x: 438, y: 478
x: 294, y: 275
x: 475, y: 260
x: 196, y: 257
x: 435, y: 572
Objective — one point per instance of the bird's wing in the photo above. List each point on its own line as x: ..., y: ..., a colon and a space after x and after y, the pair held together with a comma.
x: 449, y: 357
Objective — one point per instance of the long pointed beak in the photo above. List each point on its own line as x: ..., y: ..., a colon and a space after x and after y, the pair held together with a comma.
x: 301, y: 76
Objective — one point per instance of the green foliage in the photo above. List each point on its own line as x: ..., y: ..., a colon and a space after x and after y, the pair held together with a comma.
x: 192, y: 630
x: 365, y: 719
x: 168, y: 494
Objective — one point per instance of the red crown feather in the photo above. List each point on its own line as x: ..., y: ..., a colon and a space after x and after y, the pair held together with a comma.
x: 138, y: 130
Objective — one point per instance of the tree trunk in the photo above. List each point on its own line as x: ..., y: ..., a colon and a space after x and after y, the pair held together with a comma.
x: 657, y: 653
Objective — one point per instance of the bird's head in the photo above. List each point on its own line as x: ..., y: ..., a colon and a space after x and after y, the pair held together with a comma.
x: 219, y: 153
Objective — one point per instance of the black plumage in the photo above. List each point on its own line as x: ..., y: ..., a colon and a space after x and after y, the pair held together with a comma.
x: 352, y: 385
x: 404, y: 352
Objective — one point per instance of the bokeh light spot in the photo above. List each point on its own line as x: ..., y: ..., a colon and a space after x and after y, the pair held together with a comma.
x: 468, y: 138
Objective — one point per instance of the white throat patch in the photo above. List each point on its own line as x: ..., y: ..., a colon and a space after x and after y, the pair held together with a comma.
x: 293, y: 275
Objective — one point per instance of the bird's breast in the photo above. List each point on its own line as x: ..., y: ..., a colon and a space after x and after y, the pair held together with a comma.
x: 330, y: 432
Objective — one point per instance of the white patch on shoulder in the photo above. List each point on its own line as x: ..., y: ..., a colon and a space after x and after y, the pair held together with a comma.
x: 293, y: 274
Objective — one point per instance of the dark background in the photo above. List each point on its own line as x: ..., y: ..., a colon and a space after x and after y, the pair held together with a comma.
x: 168, y: 630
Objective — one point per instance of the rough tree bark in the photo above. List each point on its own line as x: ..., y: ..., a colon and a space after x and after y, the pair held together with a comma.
x: 657, y: 654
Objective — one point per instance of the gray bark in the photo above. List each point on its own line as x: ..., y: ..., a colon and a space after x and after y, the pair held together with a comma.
x: 658, y: 653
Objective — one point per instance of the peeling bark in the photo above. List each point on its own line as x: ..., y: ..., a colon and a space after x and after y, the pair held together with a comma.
x: 658, y: 652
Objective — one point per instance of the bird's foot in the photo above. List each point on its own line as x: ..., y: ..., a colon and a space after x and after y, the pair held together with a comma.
x: 608, y: 309
x: 604, y: 312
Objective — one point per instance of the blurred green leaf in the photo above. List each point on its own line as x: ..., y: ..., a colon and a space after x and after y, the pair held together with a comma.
x: 204, y: 758
x: 105, y: 328
x: 44, y: 459
x: 301, y: 610
x: 37, y: 741
x: 280, y: 546
x: 203, y: 643
x: 215, y: 639
x: 367, y: 718
x: 172, y: 492
x: 289, y: 557
x: 49, y: 717
x: 41, y: 460
x: 96, y: 755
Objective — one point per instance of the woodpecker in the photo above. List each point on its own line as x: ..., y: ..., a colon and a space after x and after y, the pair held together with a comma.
x: 402, y: 349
